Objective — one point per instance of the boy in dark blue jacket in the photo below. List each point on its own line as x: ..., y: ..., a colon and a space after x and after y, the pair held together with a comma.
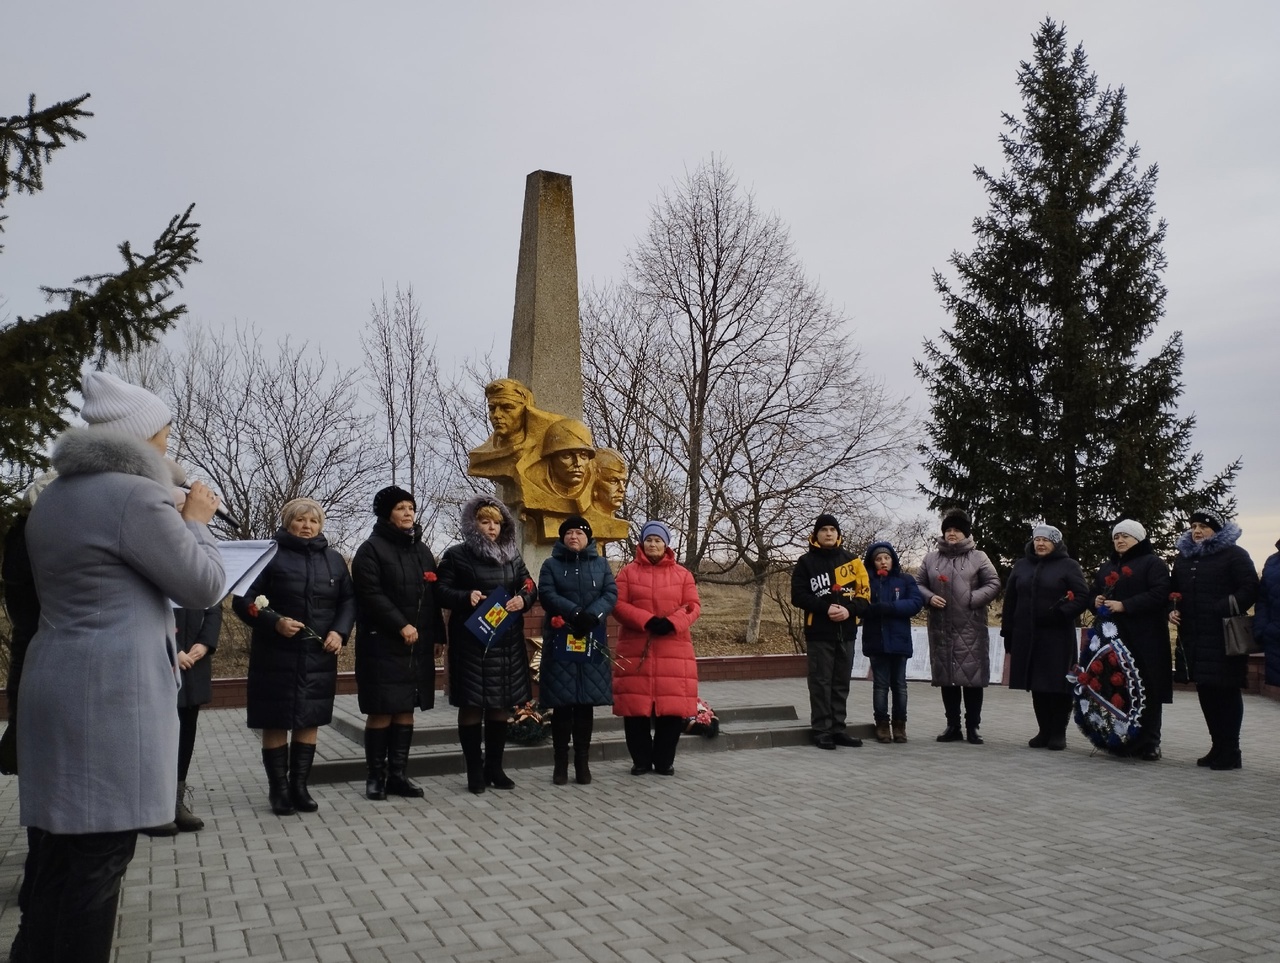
x: 886, y: 637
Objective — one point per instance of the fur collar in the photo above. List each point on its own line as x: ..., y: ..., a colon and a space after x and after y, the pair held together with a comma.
x: 1228, y: 536
x: 93, y: 451
x: 505, y: 548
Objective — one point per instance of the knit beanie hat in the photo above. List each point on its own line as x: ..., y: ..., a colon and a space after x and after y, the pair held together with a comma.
x: 1047, y: 531
x: 389, y: 498
x: 1131, y: 528
x: 1211, y: 517
x: 119, y: 406
x: 576, y: 521
x: 658, y: 528
x: 958, y: 520
x: 822, y: 521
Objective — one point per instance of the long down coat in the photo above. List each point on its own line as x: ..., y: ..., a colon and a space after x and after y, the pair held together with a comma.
x: 1142, y: 586
x: 292, y: 680
x: 1266, y: 616
x: 496, y: 677
x: 959, y: 638
x: 1207, y: 574
x: 570, y: 582
x: 655, y: 675
x: 98, y: 727
x: 197, y: 627
x: 394, y: 573
x: 1044, y: 596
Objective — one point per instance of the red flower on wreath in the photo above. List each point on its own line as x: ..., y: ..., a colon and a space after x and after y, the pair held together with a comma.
x: 1112, y: 660
x: 1095, y: 685
x: 557, y: 622
x: 1117, y: 679
x: 429, y: 576
x: 1082, y: 678
x: 1117, y: 700
x: 1095, y: 666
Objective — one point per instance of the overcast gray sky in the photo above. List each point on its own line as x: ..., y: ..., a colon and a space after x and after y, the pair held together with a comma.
x: 332, y: 148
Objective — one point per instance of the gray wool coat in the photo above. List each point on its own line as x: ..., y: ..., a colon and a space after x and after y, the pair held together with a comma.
x: 97, y: 717
x: 959, y: 650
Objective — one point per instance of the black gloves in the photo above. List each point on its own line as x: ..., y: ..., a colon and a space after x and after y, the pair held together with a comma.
x: 662, y: 627
x: 583, y: 622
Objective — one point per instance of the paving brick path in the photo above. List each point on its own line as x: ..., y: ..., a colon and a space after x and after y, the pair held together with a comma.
x: 886, y: 853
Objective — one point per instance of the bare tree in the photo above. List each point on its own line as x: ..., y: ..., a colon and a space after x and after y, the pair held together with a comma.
x: 726, y: 378
x: 264, y: 428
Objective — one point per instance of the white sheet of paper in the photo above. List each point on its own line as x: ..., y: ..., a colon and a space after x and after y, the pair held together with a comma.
x: 243, y: 562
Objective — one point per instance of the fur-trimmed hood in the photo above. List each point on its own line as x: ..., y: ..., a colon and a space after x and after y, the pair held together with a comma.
x: 505, y: 548
x: 867, y: 559
x: 93, y: 451
x: 1228, y: 536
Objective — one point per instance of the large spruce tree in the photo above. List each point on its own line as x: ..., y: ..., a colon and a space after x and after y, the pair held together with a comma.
x: 96, y: 315
x: 1046, y: 402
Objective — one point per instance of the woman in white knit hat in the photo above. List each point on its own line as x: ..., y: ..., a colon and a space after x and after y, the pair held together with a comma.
x: 98, y: 728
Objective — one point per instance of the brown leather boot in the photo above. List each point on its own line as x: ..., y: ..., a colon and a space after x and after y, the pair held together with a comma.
x: 899, y: 730
x: 882, y: 731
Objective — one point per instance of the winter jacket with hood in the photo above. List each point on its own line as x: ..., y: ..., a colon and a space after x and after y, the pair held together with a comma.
x: 824, y: 577
x: 498, y: 676
x: 572, y: 582
x: 655, y: 675
x: 1266, y: 616
x: 1206, y: 574
x: 110, y: 554
x: 1043, y: 598
x: 1141, y: 583
x: 895, y: 598
x: 959, y: 637
x: 292, y: 680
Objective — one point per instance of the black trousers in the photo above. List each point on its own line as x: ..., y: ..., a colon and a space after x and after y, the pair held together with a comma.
x: 187, y: 717
x: 830, y: 665
x: 1053, y: 712
x: 1223, y: 710
x: 653, y: 748
x: 972, y: 696
x: 70, y: 891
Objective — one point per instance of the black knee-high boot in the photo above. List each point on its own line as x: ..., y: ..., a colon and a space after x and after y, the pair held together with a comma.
x: 469, y: 738
x: 583, y: 724
x: 276, y: 763
x: 972, y: 713
x: 375, y: 760
x: 951, y: 706
x: 1043, y: 726
x: 495, y: 743
x: 562, y: 724
x: 399, y: 740
x: 301, y: 756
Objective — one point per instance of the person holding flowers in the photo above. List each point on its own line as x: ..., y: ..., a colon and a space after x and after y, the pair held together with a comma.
x: 1209, y: 571
x: 400, y: 631
x: 487, y: 675
x: 301, y: 609
x: 578, y: 592
x: 958, y: 582
x: 1044, y: 595
x: 1132, y: 590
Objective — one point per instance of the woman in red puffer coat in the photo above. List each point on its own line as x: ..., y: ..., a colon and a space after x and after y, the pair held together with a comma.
x: 655, y: 678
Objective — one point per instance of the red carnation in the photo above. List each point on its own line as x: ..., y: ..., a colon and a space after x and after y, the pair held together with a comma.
x: 1117, y: 679
x: 943, y: 578
x: 1117, y: 700
x: 252, y: 610
x: 1082, y: 678
x: 557, y: 622
x: 429, y: 576
x: 1095, y: 685
x: 1112, y: 660
x: 1071, y: 596
x: 1126, y: 571
x: 1111, y: 579
x: 1095, y: 666
x: 528, y: 585
x: 1175, y: 597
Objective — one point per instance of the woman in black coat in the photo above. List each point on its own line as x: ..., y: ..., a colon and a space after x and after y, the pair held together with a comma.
x: 1045, y: 593
x: 197, y: 639
x: 400, y: 633
x: 1209, y: 570
x: 1134, y: 586
x: 486, y: 680
x: 301, y: 608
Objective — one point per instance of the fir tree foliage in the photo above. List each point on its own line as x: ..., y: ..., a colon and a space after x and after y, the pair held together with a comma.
x: 1046, y: 400
x: 96, y: 316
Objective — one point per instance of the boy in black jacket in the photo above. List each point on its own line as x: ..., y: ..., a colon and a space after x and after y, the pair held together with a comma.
x: 830, y: 584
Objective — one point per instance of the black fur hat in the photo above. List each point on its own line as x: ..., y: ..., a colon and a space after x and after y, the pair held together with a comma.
x: 958, y: 519
x: 389, y: 498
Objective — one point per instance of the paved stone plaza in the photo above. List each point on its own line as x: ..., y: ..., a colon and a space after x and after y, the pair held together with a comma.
x: 884, y: 853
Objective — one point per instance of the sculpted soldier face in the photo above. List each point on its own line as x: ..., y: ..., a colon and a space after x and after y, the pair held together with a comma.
x: 568, y: 469
x: 506, y: 414
x: 611, y: 488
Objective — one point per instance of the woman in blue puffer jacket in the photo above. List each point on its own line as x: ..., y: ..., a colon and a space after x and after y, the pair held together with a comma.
x: 886, y: 637
x: 577, y: 590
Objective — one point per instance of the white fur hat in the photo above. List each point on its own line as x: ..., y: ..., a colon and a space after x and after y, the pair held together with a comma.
x: 1131, y: 528
x: 119, y: 406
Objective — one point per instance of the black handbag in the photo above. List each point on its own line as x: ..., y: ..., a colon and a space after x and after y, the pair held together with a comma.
x: 1237, y: 631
